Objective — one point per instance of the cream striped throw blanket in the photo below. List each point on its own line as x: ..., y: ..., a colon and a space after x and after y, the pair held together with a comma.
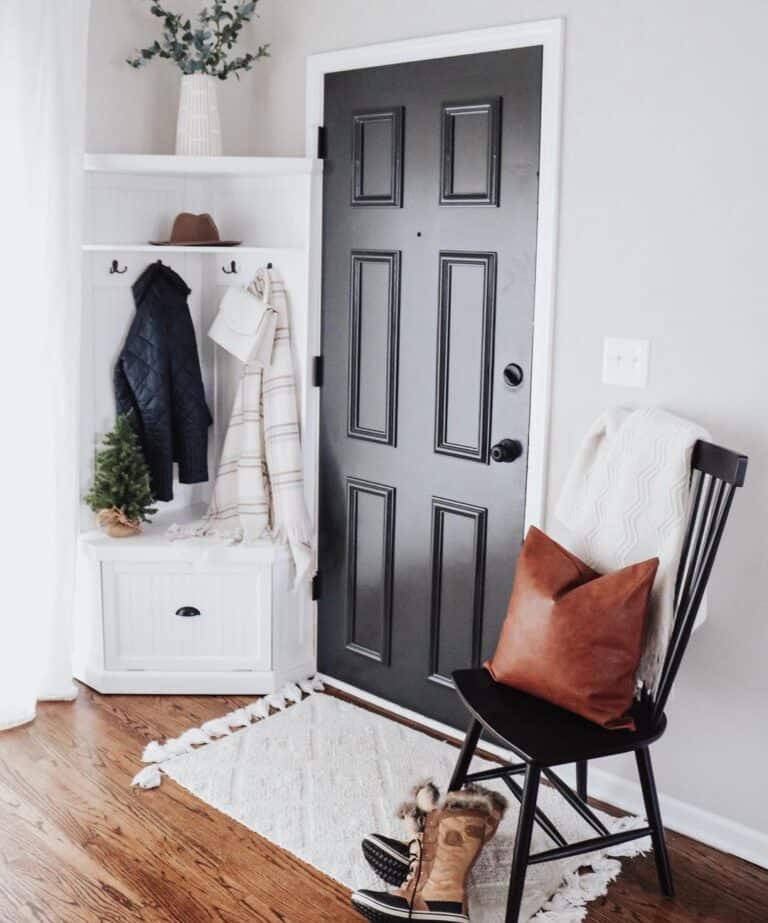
x: 259, y: 489
x: 626, y: 499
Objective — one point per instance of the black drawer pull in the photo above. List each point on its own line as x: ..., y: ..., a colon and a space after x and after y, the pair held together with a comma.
x: 187, y: 612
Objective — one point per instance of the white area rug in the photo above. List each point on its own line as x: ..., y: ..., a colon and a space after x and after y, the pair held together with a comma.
x: 319, y: 775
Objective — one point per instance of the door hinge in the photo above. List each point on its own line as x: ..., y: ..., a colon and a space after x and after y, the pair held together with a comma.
x: 316, y: 587
x: 317, y: 371
x: 321, y: 144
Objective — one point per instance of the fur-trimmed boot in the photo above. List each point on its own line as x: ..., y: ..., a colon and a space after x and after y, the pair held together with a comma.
x: 392, y: 859
x: 436, y: 887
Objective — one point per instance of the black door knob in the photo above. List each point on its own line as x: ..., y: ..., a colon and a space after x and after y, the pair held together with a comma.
x: 513, y: 375
x: 507, y: 450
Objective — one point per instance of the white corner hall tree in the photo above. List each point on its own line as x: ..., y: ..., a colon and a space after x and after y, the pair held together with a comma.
x: 193, y: 615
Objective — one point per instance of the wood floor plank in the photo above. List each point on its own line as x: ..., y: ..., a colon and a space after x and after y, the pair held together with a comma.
x: 86, y: 814
x: 42, y: 869
x: 232, y: 869
x: 77, y: 844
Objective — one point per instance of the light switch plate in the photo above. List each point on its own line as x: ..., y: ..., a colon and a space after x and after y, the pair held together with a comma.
x: 625, y: 362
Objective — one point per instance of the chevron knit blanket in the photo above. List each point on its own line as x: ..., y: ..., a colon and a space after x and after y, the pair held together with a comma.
x: 259, y: 489
x: 626, y: 499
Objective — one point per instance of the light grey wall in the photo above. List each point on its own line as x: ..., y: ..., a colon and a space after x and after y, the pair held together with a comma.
x: 134, y: 112
x: 662, y: 235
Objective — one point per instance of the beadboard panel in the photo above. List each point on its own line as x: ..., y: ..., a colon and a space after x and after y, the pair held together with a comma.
x: 262, y: 211
x: 145, y: 632
x: 134, y: 209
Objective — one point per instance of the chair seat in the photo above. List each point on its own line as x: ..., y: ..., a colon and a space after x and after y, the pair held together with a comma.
x: 542, y: 733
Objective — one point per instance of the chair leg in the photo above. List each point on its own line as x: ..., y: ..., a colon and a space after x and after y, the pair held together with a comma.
x: 652, y: 812
x: 522, y: 843
x: 465, y: 757
x: 581, y: 779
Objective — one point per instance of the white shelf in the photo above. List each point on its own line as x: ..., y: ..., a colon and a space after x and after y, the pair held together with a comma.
x: 169, y: 164
x: 154, y: 539
x: 150, y: 248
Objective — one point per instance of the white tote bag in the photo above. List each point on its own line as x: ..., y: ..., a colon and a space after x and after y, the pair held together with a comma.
x: 245, y: 326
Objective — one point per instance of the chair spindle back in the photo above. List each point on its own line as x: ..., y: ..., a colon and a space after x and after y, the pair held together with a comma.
x: 715, y: 475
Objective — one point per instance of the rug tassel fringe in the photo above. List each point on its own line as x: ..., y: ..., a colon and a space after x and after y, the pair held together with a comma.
x: 155, y: 753
x: 577, y: 889
x: 148, y: 777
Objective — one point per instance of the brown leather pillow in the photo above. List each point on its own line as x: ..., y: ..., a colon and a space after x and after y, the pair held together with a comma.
x: 572, y: 636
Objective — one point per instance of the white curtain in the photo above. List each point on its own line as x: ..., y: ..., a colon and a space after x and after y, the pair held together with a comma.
x: 42, y: 108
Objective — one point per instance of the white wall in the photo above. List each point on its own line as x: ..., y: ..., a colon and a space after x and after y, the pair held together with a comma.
x: 662, y: 235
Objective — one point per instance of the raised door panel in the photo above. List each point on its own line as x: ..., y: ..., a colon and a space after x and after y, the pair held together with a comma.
x: 373, y: 345
x: 377, y: 150
x: 370, y: 556
x: 458, y: 578
x: 465, y: 346
x: 471, y: 153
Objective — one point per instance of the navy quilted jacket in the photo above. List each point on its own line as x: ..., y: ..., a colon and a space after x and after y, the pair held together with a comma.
x: 158, y: 378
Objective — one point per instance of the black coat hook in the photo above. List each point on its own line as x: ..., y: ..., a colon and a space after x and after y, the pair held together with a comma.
x: 269, y: 265
x: 113, y: 269
x: 232, y: 268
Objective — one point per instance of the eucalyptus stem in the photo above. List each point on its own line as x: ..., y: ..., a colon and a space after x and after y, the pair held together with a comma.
x: 204, y: 48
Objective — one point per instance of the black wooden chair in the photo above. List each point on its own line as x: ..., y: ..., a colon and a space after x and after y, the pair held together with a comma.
x: 543, y: 735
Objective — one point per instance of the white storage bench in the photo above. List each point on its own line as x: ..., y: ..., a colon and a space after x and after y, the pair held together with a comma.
x: 190, y: 616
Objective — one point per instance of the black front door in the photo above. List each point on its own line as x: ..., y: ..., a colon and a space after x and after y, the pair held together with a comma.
x: 429, y: 252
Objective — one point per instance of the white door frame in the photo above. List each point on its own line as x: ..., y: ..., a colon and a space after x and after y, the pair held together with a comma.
x: 548, y: 33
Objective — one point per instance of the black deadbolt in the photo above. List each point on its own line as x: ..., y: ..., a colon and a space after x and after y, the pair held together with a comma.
x: 507, y: 450
x: 513, y: 375
x: 187, y: 612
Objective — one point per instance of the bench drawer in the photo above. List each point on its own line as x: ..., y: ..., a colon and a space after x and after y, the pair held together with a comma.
x: 178, y: 616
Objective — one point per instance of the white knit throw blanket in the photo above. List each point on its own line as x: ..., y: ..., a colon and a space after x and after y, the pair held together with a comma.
x: 626, y: 499
x: 259, y: 489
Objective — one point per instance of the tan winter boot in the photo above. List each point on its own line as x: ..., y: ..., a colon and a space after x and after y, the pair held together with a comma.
x: 393, y: 859
x: 436, y: 888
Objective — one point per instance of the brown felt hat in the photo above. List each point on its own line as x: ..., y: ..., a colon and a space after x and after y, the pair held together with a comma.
x: 195, y: 231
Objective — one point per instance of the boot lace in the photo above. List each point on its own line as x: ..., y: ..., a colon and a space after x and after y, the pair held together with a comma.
x: 417, y: 861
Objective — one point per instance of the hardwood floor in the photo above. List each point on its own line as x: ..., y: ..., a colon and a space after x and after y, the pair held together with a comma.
x: 78, y: 844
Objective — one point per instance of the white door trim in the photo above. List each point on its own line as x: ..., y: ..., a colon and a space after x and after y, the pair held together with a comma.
x: 548, y: 33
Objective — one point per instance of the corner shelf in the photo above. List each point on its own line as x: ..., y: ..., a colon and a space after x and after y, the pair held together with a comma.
x: 150, y: 248
x: 252, y: 631
x: 170, y: 164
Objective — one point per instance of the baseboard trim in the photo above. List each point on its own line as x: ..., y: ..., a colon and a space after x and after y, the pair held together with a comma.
x: 711, y: 829
x: 682, y: 817
x: 155, y: 682
x: 445, y: 730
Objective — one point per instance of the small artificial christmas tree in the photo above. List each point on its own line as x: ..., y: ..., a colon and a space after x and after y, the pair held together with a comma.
x: 121, y: 494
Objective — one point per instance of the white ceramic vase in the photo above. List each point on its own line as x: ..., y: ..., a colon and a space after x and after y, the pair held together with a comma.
x: 198, y: 129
